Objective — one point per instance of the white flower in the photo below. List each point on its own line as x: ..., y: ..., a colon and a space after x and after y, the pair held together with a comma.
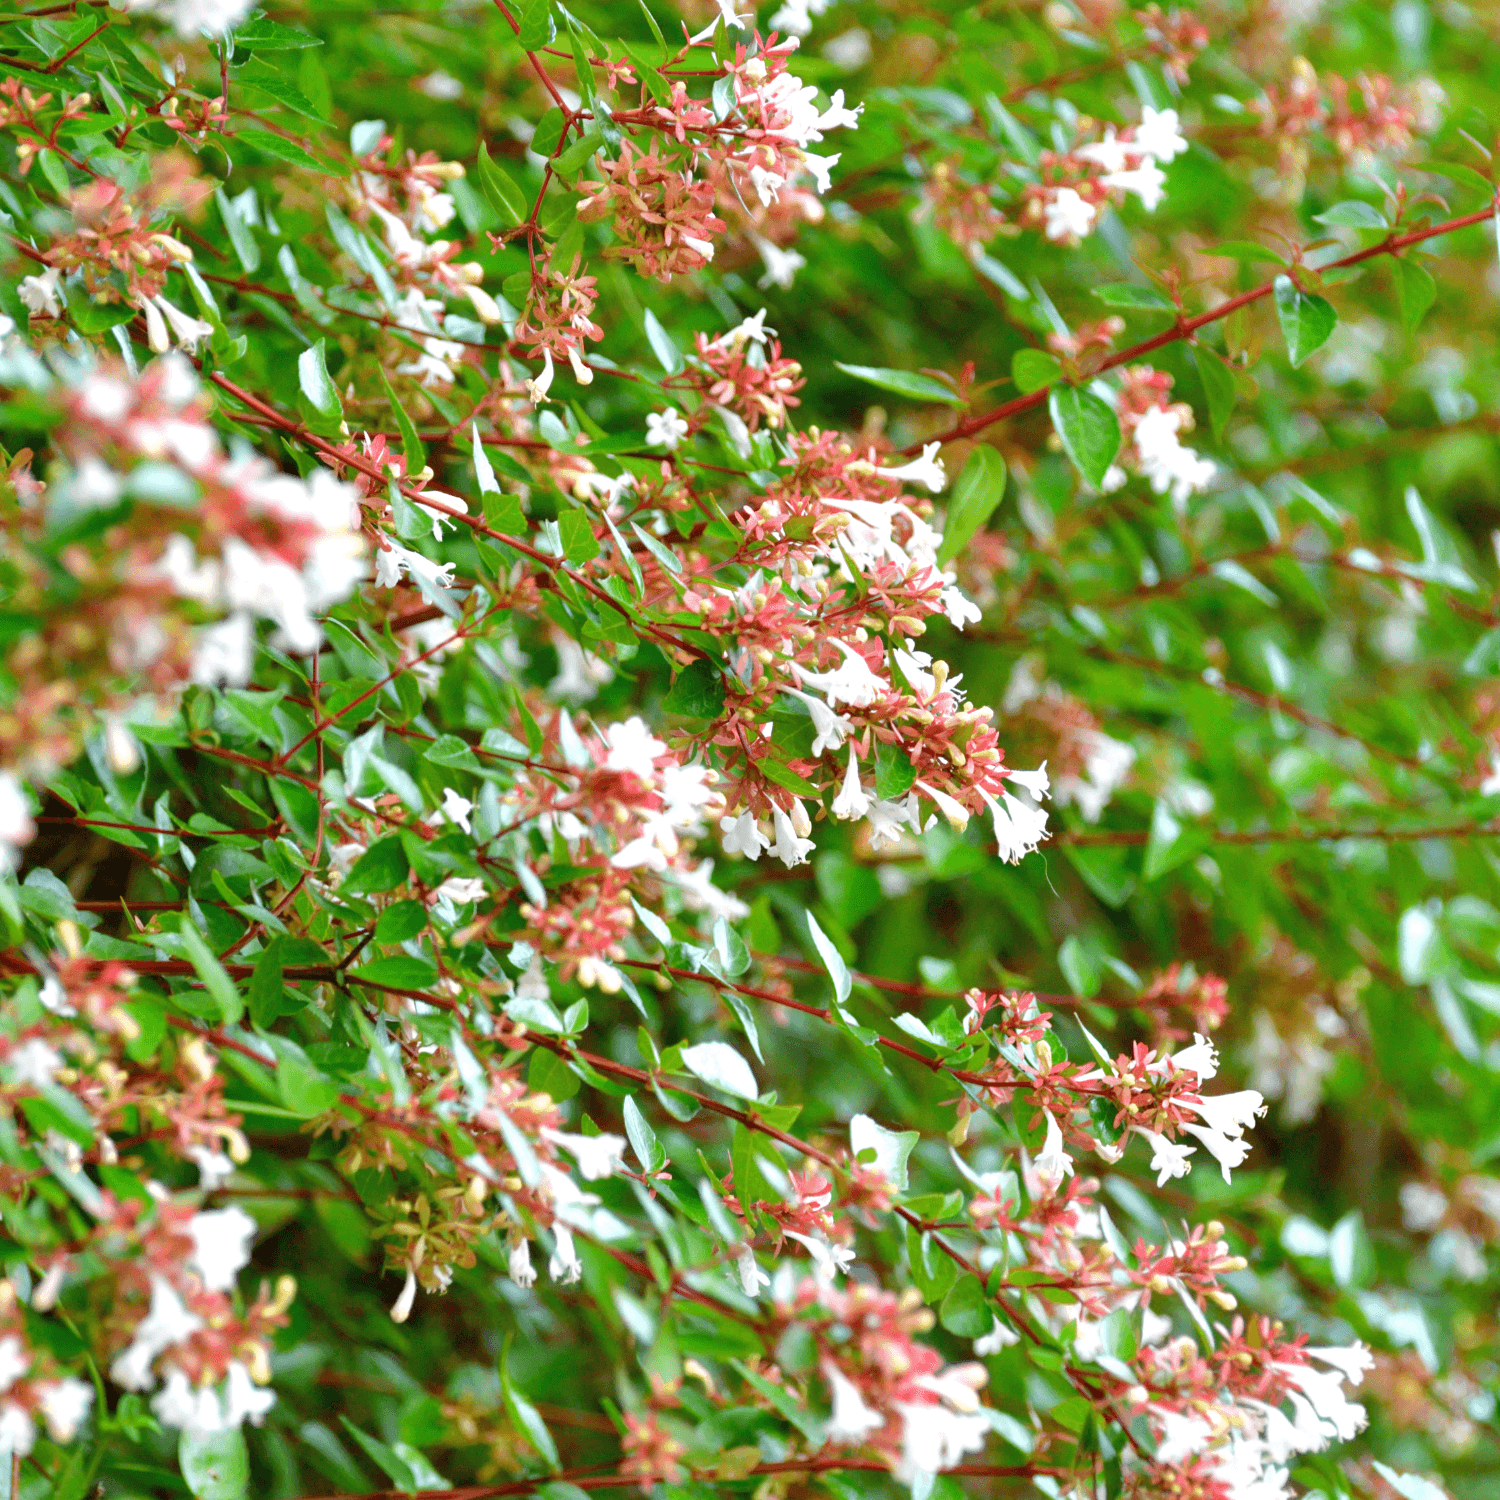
x: 926, y: 470
x: 16, y: 827
x: 821, y: 168
x: 632, y: 748
x: 1422, y: 1207
x: 1053, y: 1163
x: 788, y: 847
x: 597, y: 1155
x: 1164, y: 461
x: 831, y: 728
x: 828, y: 1259
x: 781, y: 265
x: 952, y: 809
x: 665, y: 429
x: 1107, y: 765
x: 455, y: 809
x: 221, y: 1245
x: 402, y: 1306
x: 837, y: 116
x: 1352, y: 1361
x: 393, y: 559
x: 1201, y: 1058
x: 748, y: 1269
x: 851, y: 802
x: 460, y: 891
x: 852, y: 1421
x: 1230, y: 1114
x: 1325, y: 1399
x: 1018, y: 828
x: 959, y: 608
x: 1034, y: 783
x: 767, y: 184
x: 1228, y: 1150
x: 852, y: 683
x: 742, y: 836
x: 522, y: 1272
x: 537, y: 389
x: 214, y: 1168
x: 15, y: 1360
x: 1068, y: 216
x: 40, y: 294
x: 34, y: 1063
x: 168, y: 1322
x: 934, y: 1438
x: 887, y: 819
x: 1158, y: 134
x: 17, y: 1430
x: 243, y: 1399
x: 193, y: 1409
x: 999, y: 1337
x: 1111, y: 153
x: 1147, y: 181
x: 1168, y: 1158
x: 189, y: 332
x: 64, y: 1403
x: 564, y: 1266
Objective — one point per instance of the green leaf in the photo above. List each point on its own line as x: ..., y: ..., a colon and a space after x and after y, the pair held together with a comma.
x: 499, y: 187
x: 216, y: 1465
x: 548, y: 133
x: 411, y: 445
x: 396, y: 1468
x: 1128, y: 294
x: 782, y: 775
x: 1170, y: 843
x: 1352, y: 214
x: 267, y: 986
x: 272, y: 36
x: 1415, y: 290
x: 218, y: 984
x: 648, y: 1150
x: 576, y: 529
x: 717, y: 1063
x: 894, y: 771
x: 1089, y: 430
x: 891, y: 1148
x: 316, y: 386
x: 663, y: 346
x: 381, y: 867
x: 966, y: 1310
x: 904, y: 383
x: 246, y: 251
x: 833, y: 960
x: 278, y: 147
x: 1245, y: 250
x: 979, y: 490
x: 401, y: 973
x: 1306, y: 320
x: 698, y: 692
x: 537, y: 27
x: 1218, y: 387
x: 578, y: 155
x: 305, y: 1089
x: 1031, y: 369
x: 524, y: 1414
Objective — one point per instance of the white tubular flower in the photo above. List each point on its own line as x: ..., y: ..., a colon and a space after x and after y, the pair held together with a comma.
x: 522, y: 1272
x: 666, y: 428
x: 852, y: 683
x: 581, y: 372
x: 221, y: 1245
x: 767, y: 184
x: 41, y: 295
x: 189, y: 332
x: 926, y: 470
x: 1168, y: 1158
x: 959, y: 609
x: 781, y: 265
x: 830, y: 727
x: 192, y: 1409
x: 934, y: 1438
x: 887, y: 819
x: 789, y: 848
x: 168, y: 1322
x: 64, y: 1403
x: 34, y: 1063
x: 747, y: 1268
x: 1229, y: 1151
x: 597, y: 1155
x: 1018, y: 828
x: 952, y: 809
x: 455, y: 809
x: 999, y: 1337
x: 1053, y: 1163
x: 851, y: 801
x: 837, y: 117
x: 1158, y: 135
x: 14, y: 1361
x: 17, y: 1430
x: 1034, y: 783
x: 742, y: 836
x: 1147, y: 181
x: 401, y: 1308
x: 564, y: 1267
x: 829, y: 1260
x: 537, y: 389
x: 1111, y: 153
x: 244, y: 1401
x: 1230, y: 1114
x: 214, y: 1167
x: 1351, y: 1361
x: 1201, y: 1058
x: 1067, y: 216
x: 157, y: 337
x: 852, y: 1421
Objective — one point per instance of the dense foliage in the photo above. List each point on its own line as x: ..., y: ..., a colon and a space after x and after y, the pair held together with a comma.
x: 749, y: 754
